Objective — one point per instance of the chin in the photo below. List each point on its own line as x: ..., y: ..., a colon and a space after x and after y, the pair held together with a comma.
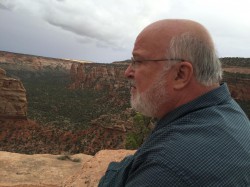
x: 143, y: 107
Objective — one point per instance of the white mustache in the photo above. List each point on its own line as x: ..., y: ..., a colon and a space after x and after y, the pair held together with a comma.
x: 132, y: 84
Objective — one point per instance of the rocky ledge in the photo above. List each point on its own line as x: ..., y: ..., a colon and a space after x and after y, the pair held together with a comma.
x: 44, y: 170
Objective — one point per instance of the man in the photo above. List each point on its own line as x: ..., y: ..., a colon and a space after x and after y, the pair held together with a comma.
x: 202, y: 137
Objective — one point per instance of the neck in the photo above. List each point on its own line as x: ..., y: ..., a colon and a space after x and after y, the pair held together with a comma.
x: 181, y: 97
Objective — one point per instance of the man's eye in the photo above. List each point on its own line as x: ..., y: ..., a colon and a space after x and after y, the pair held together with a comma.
x: 137, y: 62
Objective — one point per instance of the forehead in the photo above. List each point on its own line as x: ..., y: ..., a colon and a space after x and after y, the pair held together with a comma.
x: 152, y: 43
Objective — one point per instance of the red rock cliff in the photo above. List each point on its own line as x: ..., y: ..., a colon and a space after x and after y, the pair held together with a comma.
x: 13, y: 102
x: 98, y: 76
x: 35, y: 63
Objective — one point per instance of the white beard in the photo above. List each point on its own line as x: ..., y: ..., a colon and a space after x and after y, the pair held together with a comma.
x: 148, y: 103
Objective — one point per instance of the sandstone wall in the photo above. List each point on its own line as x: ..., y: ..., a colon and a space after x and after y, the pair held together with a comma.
x: 239, y: 88
x: 35, y: 63
x: 13, y: 102
x: 98, y: 76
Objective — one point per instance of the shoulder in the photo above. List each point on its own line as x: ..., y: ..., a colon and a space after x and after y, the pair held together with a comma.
x: 197, y: 150
x: 155, y: 173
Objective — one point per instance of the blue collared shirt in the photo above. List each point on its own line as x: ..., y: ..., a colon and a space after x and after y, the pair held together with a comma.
x: 205, y: 142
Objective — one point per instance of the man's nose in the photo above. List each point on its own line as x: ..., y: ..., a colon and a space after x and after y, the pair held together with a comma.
x: 129, y: 71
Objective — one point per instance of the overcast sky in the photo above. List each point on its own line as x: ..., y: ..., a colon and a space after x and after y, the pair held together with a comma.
x: 105, y: 30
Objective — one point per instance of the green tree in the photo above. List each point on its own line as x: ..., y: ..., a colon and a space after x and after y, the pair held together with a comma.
x: 141, y: 130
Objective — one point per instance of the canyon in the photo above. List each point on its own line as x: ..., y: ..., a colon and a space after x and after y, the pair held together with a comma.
x: 21, y: 134
x: 43, y: 115
x: 42, y: 108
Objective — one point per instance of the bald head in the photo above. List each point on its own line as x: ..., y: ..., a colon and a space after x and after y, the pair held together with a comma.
x: 181, y: 39
x: 177, y: 27
x: 159, y: 34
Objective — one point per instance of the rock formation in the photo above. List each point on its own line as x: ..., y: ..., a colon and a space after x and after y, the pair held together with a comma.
x: 237, y: 76
x: 239, y: 87
x: 34, y: 63
x: 238, y: 81
x: 98, y: 76
x: 13, y: 102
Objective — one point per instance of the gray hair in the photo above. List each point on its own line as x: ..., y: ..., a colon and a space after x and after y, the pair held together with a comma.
x: 202, y: 55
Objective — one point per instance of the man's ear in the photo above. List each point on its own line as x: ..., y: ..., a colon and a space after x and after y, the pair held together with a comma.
x: 183, y: 75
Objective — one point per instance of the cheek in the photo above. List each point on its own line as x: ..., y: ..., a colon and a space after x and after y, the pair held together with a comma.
x: 145, y: 78
x: 142, y: 85
x: 143, y: 82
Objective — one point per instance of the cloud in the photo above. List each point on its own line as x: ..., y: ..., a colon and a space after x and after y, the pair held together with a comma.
x: 3, y: 7
x: 112, y: 23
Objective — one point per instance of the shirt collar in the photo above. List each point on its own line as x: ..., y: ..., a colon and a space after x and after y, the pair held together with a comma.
x: 211, y: 98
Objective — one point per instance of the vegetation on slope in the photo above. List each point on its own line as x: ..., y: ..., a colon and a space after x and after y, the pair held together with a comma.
x: 51, y: 102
